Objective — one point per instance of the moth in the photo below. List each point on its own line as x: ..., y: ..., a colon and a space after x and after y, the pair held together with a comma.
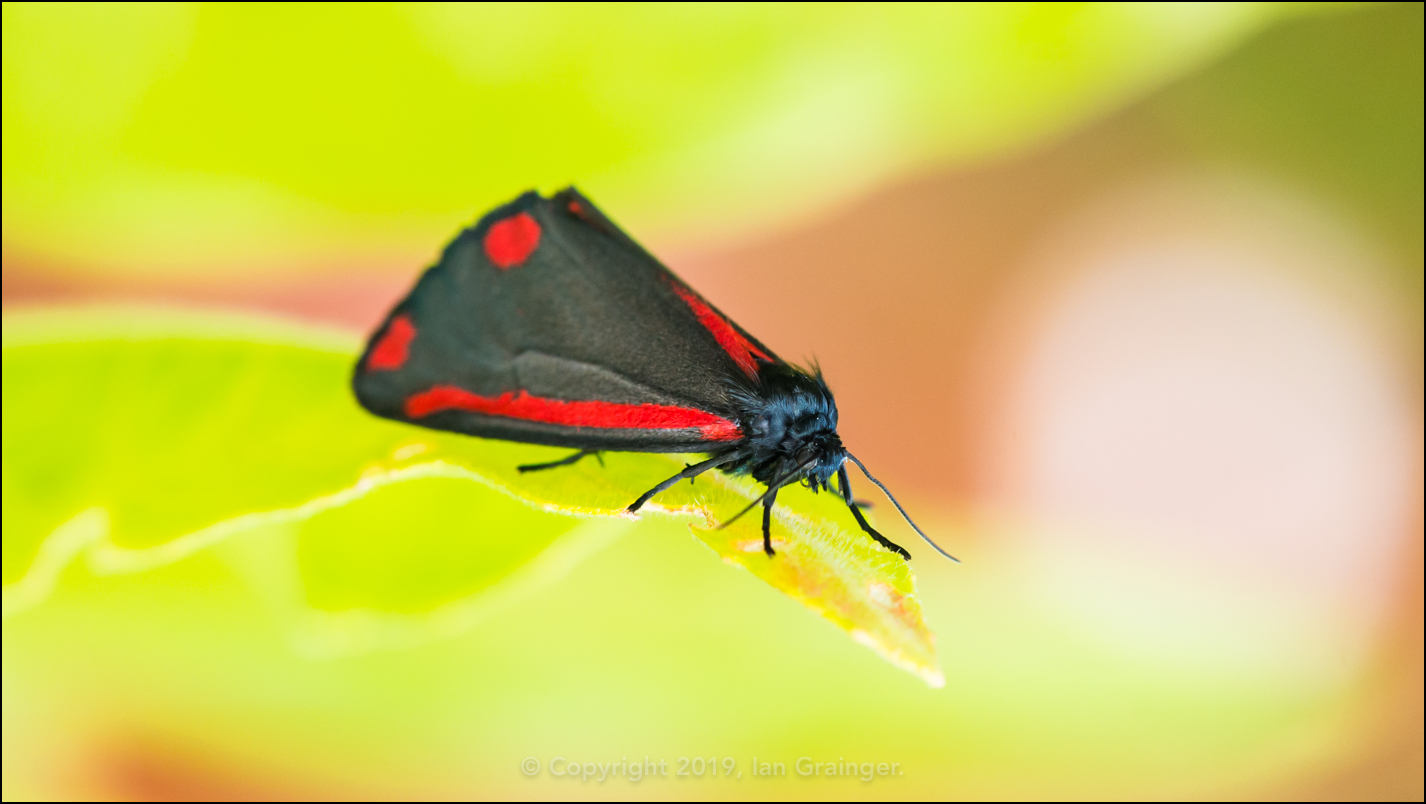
x: 546, y: 324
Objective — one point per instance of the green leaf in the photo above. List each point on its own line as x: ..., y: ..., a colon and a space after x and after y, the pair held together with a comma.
x: 137, y: 437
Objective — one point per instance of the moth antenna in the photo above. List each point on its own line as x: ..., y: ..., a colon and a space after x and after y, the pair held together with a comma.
x: 777, y: 483
x: 904, y: 515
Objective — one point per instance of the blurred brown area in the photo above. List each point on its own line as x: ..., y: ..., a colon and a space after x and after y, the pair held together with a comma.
x: 144, y: 770
x: 145, y: 766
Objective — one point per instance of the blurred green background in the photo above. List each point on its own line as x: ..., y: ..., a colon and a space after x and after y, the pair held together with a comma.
x: 1124, y: 300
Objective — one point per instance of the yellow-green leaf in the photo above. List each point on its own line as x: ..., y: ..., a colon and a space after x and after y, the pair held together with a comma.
x: 135, y: 437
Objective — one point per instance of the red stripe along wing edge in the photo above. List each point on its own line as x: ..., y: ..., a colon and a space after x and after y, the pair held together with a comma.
x: 584, y: 413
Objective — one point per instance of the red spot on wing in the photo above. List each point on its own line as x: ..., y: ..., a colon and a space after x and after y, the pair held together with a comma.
x: 742, y: 350
x: 582, y: 211
x: 394, y: 347
x: 510, y: 241
x: 611, y: 415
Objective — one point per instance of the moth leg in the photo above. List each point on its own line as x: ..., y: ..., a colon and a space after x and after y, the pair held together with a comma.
x: 846, y: 485
x: 882, y: 540
x: 689, y: 472
x: 767, y: 522
x: 535, y: 467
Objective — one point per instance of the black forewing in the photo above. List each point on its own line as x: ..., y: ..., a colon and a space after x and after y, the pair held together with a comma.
x: 589, y: 315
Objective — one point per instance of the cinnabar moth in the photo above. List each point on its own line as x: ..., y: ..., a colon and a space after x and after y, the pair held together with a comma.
x: 544, y: 323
